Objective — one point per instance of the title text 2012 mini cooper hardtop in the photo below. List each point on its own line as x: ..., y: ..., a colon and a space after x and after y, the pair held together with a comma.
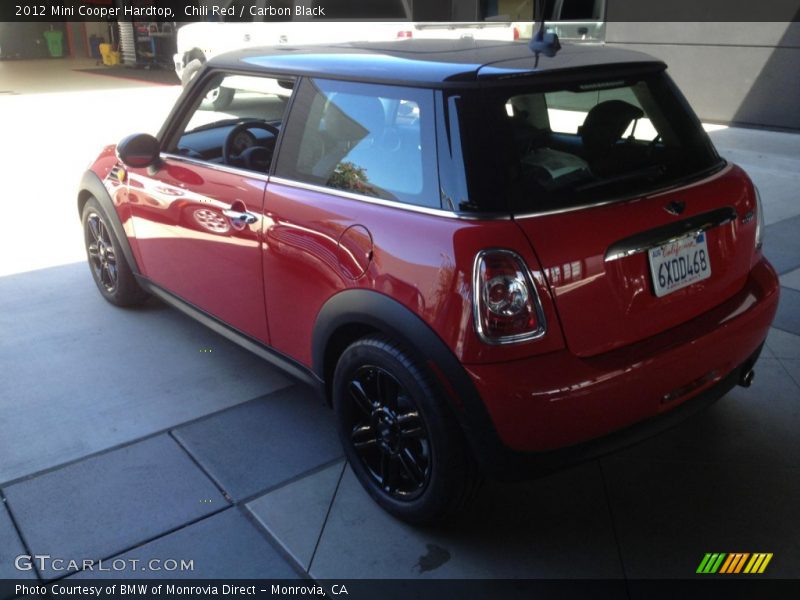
x: 488, y: 261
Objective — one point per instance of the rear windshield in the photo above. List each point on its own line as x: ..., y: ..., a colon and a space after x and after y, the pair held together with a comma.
x: 533, y: 149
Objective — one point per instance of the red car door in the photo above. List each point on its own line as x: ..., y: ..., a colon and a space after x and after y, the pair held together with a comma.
x: 197, y: 218
x: 192, y: 243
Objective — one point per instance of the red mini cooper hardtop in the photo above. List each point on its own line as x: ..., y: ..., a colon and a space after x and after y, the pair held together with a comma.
x: 488, y: 260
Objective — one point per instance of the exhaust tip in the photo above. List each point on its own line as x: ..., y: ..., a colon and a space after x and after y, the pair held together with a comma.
x: 746, y: 378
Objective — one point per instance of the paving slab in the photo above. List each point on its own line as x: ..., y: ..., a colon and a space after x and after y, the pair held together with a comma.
x: 263, y: 443
x: 772, y: 159
x: 10, y: 547
x: 295, y: 513
x: 226, y: 545
x: 792, y: 366
x: 788, y: 315
x: 783, y: 344
x: 669, y: 514
x: 748, y: 426
x: 791, y: 279
x: 777, y: 186
x: 555, y: 527
x: 85, y: 376
x: 765, y: 145
x: 106, y: 504
x: 782, y: 244
x: 766, y: 351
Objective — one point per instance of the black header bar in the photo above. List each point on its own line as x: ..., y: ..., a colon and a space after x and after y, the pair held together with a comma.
x: 379, y: 10
x: 709, y: 586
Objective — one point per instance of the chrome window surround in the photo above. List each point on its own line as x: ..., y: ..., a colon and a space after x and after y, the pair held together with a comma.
x: 438, y: 212
x: 477, y: 301
x: 216, y: 167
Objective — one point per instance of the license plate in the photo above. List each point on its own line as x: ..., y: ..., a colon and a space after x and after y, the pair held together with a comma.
x: 680, y: 263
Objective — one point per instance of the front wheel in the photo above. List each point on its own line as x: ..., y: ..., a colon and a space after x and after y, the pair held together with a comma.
x: 111, y: 272
x: 400, y: 437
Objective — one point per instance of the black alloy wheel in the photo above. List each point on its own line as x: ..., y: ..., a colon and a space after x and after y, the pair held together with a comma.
x: 110, y: 270
x: 100, y: 249
x: 388, y: 433
x: 399, y: 433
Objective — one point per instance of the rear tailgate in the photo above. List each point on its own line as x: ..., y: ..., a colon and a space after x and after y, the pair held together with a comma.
x: 597, y: 260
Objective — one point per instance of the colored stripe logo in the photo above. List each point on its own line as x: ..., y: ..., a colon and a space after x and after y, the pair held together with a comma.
x: 734, y: 563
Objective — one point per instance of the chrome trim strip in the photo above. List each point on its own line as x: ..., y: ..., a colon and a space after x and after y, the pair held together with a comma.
x: 718, y: 170
x: 476, y: 302
x: 216, y: 167
x: 334, y: 192
x: 642, y: 242
x: 437, y: 212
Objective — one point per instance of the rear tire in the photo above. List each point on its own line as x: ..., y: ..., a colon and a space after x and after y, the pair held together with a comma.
x: 400, y: 437
x: 110, y: 270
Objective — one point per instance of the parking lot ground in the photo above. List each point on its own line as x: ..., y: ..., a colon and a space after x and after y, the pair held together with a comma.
x: 82, y: 376
x: 121, y: 438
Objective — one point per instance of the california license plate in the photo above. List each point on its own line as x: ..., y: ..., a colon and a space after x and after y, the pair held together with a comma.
x: 679, y: 264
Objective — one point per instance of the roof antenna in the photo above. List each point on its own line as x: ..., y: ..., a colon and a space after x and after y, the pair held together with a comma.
x: 543, y: 42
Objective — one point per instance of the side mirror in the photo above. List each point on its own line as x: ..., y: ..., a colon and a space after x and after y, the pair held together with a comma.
x: 138, y: 151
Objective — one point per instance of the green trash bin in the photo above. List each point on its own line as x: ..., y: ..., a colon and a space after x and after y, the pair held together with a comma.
x: 55, y: 43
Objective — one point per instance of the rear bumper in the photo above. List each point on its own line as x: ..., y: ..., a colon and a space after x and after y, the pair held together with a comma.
x: 559, y: 401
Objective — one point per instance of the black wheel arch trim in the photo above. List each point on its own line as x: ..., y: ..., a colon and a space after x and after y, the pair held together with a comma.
x: 357, y: 307
x: 92, y: 186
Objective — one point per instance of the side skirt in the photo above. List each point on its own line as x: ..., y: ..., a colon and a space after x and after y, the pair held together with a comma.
x: 288, y: 365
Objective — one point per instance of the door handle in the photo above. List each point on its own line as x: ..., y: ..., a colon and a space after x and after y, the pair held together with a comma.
x: 240, y: 217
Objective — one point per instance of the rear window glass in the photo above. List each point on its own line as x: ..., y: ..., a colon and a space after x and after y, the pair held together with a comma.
x: 371, y: 140
x: 555, y: 148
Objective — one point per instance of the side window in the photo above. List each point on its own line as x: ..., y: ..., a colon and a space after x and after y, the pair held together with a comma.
x: 372, y: 140
x: 235, y: 122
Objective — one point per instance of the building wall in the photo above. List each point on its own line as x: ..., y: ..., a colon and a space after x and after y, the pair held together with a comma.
x: 743, y: 73
x: 732, y: 72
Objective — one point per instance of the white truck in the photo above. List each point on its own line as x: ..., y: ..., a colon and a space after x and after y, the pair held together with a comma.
x: 198, y: 42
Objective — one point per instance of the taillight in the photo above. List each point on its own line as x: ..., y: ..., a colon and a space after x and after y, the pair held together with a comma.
x: 404, y: 35
x: 516, y: 33
x: 759, y: 220
x: 506, y: 304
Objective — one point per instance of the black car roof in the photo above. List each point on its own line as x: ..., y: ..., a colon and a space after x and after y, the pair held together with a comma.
x: 426, y: 62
